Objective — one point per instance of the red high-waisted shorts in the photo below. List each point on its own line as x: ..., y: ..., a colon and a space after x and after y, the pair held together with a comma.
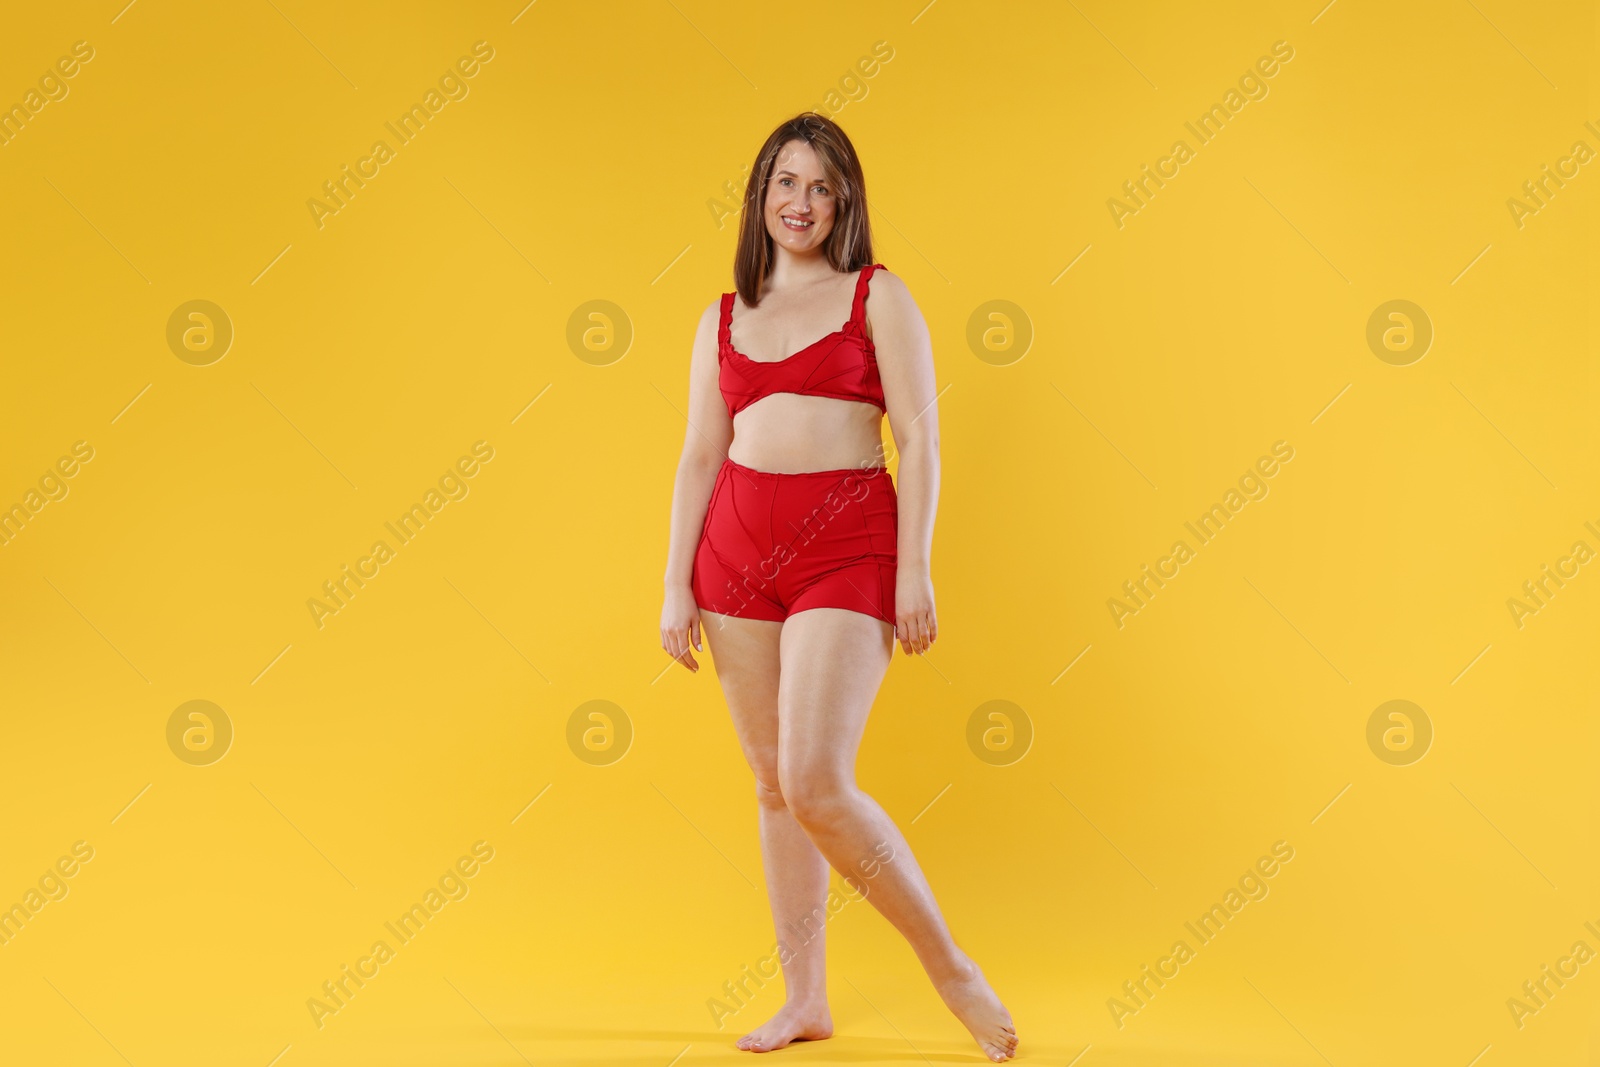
x: 775, y: 544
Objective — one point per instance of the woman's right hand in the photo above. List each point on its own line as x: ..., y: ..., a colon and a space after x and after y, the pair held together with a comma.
x: 680, y: 625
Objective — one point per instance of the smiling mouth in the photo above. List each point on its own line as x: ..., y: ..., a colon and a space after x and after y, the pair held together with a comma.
x: 797, y: 224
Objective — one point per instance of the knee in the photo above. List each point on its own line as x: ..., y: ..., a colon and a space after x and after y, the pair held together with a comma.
x: 814, y: 796
x: 768, y: 795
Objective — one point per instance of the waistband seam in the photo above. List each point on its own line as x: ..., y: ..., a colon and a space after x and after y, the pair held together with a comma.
x: 865, y: 472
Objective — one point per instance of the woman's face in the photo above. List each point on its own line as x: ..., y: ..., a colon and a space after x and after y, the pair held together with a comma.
x: 800, y: 202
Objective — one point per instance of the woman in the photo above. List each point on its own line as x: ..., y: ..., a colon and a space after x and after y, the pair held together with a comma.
x: 793, y: 552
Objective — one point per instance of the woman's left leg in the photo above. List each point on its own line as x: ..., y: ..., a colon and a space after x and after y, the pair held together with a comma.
x: 832, y: 664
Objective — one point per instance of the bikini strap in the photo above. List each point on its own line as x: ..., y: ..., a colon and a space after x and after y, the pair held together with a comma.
x: 724, y: 335
x: 858, y: 309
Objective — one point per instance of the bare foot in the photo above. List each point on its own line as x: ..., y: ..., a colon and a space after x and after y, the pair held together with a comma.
x: 794, y: 1022
x: 973, y: 1001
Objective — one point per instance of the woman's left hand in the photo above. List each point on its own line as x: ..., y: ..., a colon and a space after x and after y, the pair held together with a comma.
x: 915, y: 626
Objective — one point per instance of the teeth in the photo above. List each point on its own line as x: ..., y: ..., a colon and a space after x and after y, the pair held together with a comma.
x: 796, y: 225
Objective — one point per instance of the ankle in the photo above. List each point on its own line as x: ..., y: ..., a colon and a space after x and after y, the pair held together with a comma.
x: 956, y: 967
x: 807, y: 1003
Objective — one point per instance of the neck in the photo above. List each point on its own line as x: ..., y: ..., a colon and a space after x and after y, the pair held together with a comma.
x: 794, y: 270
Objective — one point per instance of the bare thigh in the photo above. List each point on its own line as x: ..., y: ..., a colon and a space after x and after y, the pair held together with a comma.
x: 833, y: 663
x: 746, y: 655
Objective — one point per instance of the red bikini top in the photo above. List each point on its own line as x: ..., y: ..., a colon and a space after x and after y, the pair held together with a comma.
x: 843, y: 365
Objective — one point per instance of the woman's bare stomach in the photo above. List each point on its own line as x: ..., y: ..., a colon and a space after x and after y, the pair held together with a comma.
x: 787, y: 433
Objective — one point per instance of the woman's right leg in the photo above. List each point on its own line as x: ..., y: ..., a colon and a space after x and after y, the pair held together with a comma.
x: 746, y: 655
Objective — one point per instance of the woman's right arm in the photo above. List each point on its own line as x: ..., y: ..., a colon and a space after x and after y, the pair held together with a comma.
x: 705, y: 444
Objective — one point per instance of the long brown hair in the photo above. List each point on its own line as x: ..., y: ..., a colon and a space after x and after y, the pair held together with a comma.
x: 848, y: 246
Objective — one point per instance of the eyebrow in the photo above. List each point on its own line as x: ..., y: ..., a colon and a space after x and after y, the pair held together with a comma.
x: 792, y: 174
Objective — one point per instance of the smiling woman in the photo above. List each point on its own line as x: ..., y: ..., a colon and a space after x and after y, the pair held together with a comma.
x: 803, y: 561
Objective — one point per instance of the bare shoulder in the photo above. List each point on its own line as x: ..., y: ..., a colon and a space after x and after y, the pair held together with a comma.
x: 888, y: 291
x: 710, y: 318
x: 890, y: 304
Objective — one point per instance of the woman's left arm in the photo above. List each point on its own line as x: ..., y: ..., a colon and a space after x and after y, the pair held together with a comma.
x: 905, y: 366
